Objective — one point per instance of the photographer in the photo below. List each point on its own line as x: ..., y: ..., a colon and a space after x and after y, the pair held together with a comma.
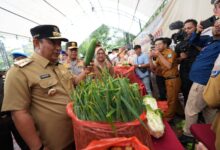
x: 160, y: 80
x: 165, y: 59
x: 199, y: 74
x: 186, y: 54
x: 200, y: 37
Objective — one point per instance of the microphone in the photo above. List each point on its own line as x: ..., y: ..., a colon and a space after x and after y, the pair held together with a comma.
x: 176, y: 25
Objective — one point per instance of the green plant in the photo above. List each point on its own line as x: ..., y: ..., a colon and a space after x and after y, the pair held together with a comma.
x: 107, y: 100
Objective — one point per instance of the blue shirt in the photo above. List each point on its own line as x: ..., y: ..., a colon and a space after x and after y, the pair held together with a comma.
x: 202, y: 67
x: 142, y: 59
x: 200, y: 40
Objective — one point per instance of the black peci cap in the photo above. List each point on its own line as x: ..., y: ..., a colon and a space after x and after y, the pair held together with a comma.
x: 47, y: 31
x: 71, y: 45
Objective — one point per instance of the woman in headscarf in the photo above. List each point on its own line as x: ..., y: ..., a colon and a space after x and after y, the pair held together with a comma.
x: 101, y: 62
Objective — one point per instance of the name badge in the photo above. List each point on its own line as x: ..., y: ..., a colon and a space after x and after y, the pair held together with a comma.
x: 44, y: 76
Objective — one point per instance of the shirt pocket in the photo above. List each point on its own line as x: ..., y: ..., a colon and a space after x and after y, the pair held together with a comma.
x: 47, y: 84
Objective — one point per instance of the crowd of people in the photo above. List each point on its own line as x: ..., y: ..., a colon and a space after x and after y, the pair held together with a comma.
x: 41, y: 84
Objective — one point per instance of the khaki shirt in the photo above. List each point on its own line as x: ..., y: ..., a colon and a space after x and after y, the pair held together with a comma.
x: 170, y: 56
x: 211, y: 95
x: 75, y: 67
x: 44, y: 90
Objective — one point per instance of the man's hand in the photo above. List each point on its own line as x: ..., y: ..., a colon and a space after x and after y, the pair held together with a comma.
x: 22, y: 118
x: 199, y: 28
x: 183, y: 55
x: 156, y: 53
x: 89, y: 69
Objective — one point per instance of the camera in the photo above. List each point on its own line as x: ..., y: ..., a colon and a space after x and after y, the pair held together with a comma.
x: 182, y: 46
x: 152, y: 44
x: 179, y: 37
x: 209, y: 22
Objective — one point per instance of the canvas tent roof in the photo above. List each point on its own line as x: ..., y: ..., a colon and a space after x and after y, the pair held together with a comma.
x: 76, y: 18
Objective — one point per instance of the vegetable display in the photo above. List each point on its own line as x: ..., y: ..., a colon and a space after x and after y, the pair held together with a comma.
x: 107, y: 99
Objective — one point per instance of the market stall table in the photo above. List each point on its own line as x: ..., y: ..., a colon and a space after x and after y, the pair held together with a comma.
x: 169, y: 141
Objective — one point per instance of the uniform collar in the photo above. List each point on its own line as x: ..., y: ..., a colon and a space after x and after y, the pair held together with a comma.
x: 41, y: 60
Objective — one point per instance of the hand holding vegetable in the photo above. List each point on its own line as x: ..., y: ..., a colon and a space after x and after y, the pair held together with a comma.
x: 89, y: 68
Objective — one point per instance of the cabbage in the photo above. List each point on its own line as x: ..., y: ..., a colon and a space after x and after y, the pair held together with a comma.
x: 149, y: 100
x: 154, y: 117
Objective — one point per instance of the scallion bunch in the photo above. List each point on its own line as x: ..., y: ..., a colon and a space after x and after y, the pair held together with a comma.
x: 107, y: 99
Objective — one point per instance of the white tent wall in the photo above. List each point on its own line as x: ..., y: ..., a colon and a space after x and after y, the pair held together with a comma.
x: 175, y: 10
x: 75, y: 18
x: 186, y: 9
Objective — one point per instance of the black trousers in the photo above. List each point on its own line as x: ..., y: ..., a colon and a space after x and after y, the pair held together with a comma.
x: 161, y: 87
x: 185, y: 85
x: 7, y: 128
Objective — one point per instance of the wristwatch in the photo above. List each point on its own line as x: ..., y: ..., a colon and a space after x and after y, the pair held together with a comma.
x: 139, y: 66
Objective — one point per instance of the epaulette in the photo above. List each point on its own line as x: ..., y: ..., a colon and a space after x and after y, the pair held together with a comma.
x: 23, y: 62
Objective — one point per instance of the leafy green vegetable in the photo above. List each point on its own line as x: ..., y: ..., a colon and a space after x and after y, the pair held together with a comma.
x: 154, y: 117
x: 149, y: 100
x: 107, y: 99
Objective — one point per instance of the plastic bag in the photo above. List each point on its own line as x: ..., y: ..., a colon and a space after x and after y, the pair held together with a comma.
x: 129, y: 72
x: 87, y: 131
x: 163, y: 106
x: 105, y: 144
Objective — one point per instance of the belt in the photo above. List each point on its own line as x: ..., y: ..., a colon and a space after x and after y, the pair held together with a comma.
x: 171, y: 77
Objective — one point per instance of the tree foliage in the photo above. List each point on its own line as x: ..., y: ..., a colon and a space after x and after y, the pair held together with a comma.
x: 109, y: 37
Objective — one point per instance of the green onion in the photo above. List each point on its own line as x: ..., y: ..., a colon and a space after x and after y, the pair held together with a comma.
x: 107, y: 99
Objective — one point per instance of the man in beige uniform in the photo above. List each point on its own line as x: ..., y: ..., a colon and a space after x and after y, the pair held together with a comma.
x: 211, y: 95
x: 165, y: 60
x: 73, y: 63
x: 37, y: 90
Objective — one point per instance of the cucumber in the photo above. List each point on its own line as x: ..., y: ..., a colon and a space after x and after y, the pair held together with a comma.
x: 90, y: 52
